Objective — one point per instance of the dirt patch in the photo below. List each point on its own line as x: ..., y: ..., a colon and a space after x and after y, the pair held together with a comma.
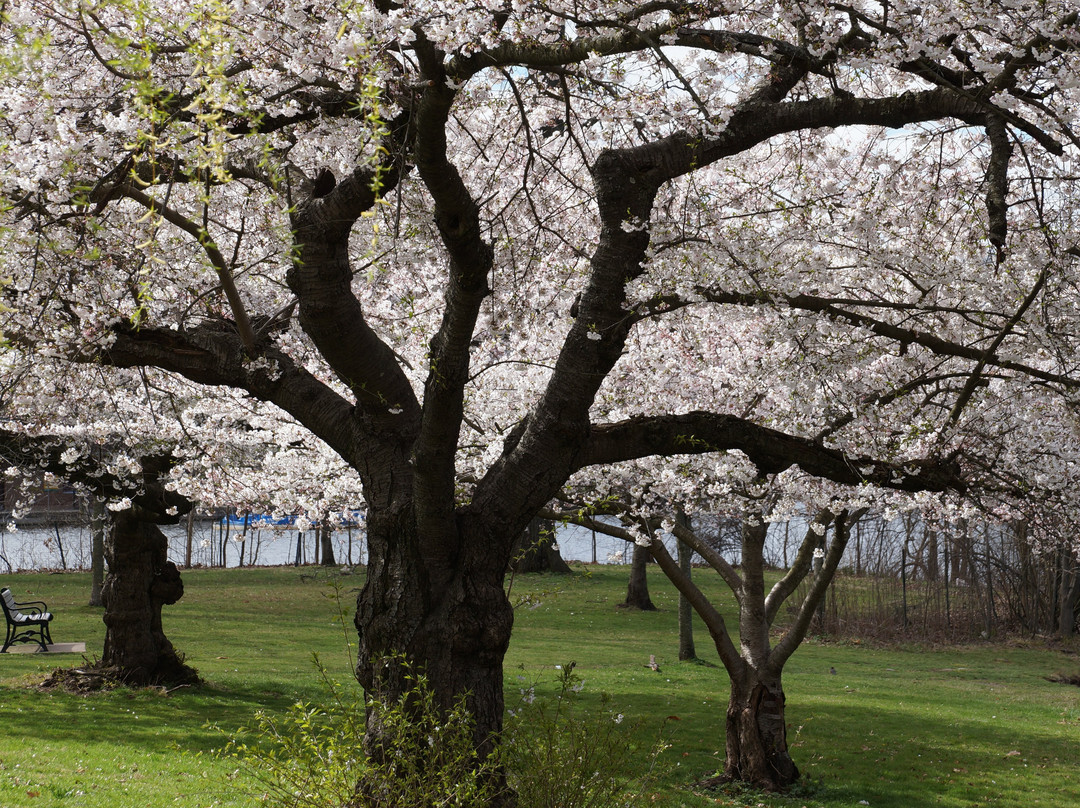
x: 94, y: 677
x: 80, y: 681
x: 1065, y: 679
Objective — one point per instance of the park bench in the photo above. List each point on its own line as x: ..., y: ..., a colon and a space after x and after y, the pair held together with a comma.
x: 26, y: 622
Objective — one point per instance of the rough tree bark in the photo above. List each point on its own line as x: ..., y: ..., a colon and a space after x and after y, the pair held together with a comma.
x: 756, y: 749
x: 455, y: 627
x: 140, y: 581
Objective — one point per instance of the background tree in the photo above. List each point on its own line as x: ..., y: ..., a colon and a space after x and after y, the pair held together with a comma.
x: 537, y: 550
x: 684, y: 557
x: 756, y: 747
x: 140, y: 578
x: 637, y: 588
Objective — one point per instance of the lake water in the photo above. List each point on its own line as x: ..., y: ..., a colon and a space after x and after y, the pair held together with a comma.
x: 39, y: 548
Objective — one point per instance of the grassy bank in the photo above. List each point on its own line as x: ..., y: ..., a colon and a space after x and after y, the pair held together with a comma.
x: 977, y: 726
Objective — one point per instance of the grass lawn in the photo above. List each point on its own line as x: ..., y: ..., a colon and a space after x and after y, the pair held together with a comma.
x: 976, y: 726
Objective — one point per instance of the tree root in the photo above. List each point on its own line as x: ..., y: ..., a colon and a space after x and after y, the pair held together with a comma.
x: 95, y: 678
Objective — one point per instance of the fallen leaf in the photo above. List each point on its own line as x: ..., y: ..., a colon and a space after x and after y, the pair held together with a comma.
x: 1013, y: 753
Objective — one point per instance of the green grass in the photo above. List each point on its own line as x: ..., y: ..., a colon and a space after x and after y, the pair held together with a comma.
x: 976, y: 726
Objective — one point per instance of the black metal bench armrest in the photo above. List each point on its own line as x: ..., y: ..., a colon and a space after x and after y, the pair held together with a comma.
x: 32, y: 607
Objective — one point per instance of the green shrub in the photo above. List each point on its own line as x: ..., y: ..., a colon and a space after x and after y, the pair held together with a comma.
x: 562, y: 755
x: 558, y: 753
x: 312, y: 757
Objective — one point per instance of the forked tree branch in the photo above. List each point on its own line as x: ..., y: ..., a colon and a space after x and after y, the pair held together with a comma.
x: 213, y: 253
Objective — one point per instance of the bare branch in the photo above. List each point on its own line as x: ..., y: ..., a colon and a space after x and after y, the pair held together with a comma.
x: 217, y: 260
x: 714, y: 621
x: 730, y: 575
x: 976, y: 373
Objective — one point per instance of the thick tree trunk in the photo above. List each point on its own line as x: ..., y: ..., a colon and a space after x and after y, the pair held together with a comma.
x: 140, y: 581
x: 756, y: 750
x: 450, y: 621
x: 637, y: 590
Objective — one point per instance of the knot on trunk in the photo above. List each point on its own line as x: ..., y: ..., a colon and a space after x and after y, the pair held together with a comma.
x: 167, y: 586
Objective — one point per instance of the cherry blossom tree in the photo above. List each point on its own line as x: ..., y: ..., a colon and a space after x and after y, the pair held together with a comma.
x: 148, y: 453
x: 141, y: 580
x: 477, y: 249
x: 1016, y: 467
x: 755, y: 727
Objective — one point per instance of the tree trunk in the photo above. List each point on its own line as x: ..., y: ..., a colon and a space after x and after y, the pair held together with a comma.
x: 637, y: 591
x: 756, y: 751
x: 99, y: 523
x: 1070, y: 596
x: 991, y: 612
x: 932, y: 552
x: 450, y: 621
x: 242, y: 542
x: 140, y: 581
x: 224, y: 541
x: 537, y: 551
x: 686, y: 611
x: 189, y: 538
x: 326, y: 544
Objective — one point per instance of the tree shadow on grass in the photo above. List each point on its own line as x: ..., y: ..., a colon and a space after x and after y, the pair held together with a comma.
x: 154, y: 721
x: 907, y: 754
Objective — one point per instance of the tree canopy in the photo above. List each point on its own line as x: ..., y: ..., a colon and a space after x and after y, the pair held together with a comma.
x: 480, y: 250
